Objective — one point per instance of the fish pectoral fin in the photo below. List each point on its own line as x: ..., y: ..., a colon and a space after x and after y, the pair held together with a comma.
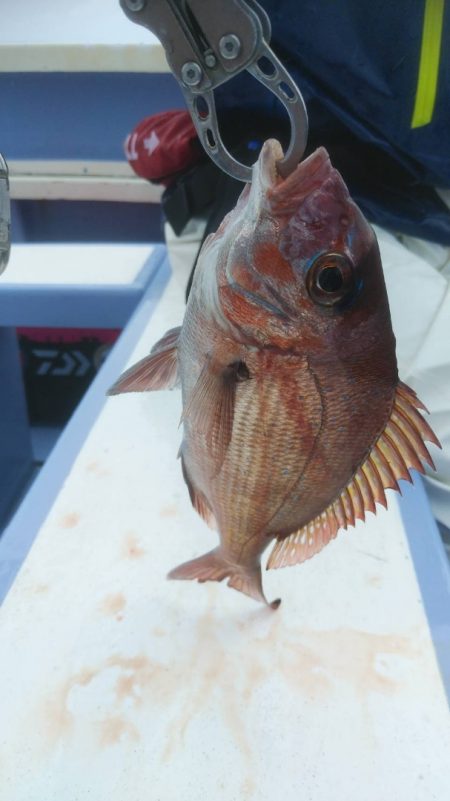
x: 168, y: 341
x: 213, y: 566
x: 399, y: 449
x: 159, y: 370
x: 210, y: 408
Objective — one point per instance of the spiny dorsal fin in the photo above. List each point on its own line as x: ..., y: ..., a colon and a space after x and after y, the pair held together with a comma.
x: 159, y: 370
x: 398, y: 449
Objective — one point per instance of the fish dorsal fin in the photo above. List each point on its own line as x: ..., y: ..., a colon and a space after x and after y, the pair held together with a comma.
x: 158, y: 370
x: 198, y: 500
x: 210, y: 407
x: 398, y: 449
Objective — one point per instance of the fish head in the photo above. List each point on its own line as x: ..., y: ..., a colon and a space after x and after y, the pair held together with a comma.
x: 298, y: 265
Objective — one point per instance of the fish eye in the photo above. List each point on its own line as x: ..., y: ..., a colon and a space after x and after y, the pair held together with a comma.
x: 330, y: 279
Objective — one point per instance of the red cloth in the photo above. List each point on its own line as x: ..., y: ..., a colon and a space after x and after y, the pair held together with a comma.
x: 162, y: 146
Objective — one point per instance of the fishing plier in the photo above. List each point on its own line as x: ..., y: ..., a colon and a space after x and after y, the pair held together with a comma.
x: 208, y: 42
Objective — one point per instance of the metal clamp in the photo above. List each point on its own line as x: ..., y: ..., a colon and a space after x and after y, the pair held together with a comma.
x: 207, y: 44
x: 5, y: 215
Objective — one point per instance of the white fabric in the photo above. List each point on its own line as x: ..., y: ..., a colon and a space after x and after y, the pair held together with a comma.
x: 417, y: 277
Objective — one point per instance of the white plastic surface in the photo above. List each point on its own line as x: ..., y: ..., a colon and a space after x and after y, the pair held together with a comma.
x: 83, y: 35
x: 75, y: 264
x: 79, y: 180
x: 117, y: 684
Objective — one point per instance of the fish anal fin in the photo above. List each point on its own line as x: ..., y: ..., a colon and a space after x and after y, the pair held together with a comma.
x: 356, y: 498
x: 158, y: 370
x: 398, y: 449
x: 373, y: 477
x: 348, y: 506
x: 384, y: 469
x: 198, y: 499
x: 410, y: 396
x: 367, y: 493
x: 412, y: 433
x: 339, y: 511
x: 393, y: 456
x: 213, y: 566
x: 305, y: 542
x: 415, y: 418
x: 405, y: 447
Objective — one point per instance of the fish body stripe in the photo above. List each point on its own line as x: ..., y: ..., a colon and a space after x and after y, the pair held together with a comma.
x: 395, y: 452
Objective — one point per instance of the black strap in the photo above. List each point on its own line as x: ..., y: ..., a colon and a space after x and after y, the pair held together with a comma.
x: 191, y: 195
x: 228, y: 190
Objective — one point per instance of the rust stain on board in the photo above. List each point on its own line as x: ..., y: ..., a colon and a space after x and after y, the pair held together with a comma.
x: 171, y: 510
x: 70, y: 520
x: 202, y: 683
x: 40, y: 589
x: 129, y: 686
x: 97, y: 469
x: 248, y: 788
x: 132, y: 548
x: 157, y: 631
x: 218, y: 670
x: 58, y: 720
x: 114, y: 729
x: 113, y: 604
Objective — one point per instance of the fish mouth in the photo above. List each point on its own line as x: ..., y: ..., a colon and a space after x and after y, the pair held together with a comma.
x: 307, y: 176
x: 265, y: 170
x: 285, y: 193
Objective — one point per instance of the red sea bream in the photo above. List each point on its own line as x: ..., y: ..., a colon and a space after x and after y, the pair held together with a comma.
x: 295, y: 421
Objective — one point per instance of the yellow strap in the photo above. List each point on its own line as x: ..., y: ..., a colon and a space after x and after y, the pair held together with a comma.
x: 429, y: 63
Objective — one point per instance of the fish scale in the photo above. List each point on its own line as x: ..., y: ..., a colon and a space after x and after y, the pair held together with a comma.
x: 239, y: 522
x: 248, y: 487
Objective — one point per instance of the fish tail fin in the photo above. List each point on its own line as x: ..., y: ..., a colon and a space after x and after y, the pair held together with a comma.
x: 213, y: 566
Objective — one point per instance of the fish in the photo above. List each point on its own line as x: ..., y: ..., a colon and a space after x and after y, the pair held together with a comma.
x: 295, y: 422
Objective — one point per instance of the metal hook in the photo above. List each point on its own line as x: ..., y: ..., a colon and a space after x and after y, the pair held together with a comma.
x: 281, y: 84
x: 206, y: 45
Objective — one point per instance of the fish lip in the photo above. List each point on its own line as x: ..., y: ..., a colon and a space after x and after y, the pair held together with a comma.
x: 308, y: 176
x: 265, y: 170
x: 311, y: 172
